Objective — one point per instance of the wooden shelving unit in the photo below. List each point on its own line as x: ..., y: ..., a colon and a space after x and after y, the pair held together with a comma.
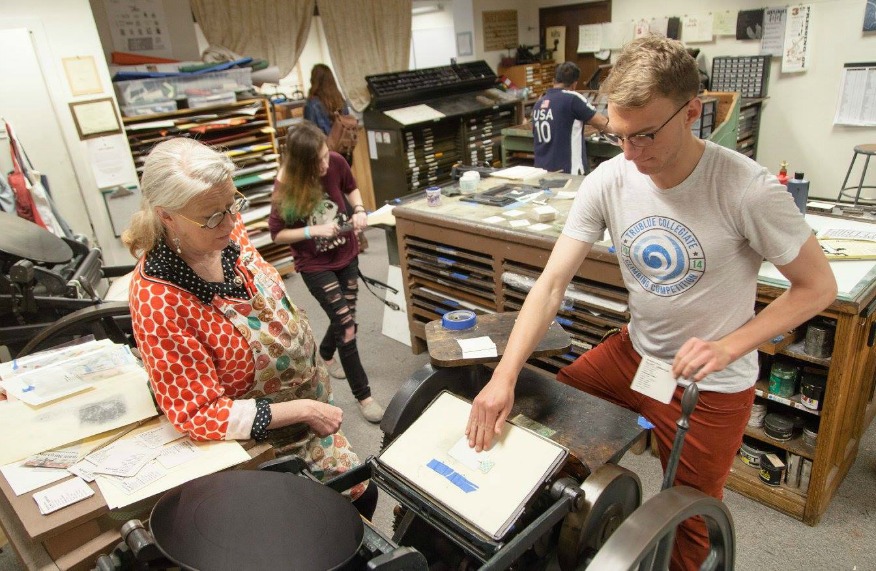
x: 485, y: 267
x: 244, y: 131
x: 538, y: 77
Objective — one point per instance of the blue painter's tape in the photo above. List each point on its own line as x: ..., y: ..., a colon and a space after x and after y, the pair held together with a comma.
x: 452, y: 476
x: 439, y: 310
x: 644, y: 423
x: 459, y: 319
x: 564, y: 321
x: 446, y: 261
x: 458, y: 276
x: 611, y: 250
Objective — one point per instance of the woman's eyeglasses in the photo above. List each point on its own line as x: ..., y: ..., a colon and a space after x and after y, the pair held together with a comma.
x: 642, y: 139
x: 216, y: 219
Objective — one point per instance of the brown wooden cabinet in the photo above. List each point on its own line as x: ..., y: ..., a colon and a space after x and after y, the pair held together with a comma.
x: 451, y: 259
x: 537, y: 77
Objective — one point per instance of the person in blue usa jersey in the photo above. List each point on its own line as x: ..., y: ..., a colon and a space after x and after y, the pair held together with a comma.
x: 558, y: 119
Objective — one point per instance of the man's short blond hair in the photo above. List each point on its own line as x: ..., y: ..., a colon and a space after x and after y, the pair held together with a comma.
x: 648, y: 67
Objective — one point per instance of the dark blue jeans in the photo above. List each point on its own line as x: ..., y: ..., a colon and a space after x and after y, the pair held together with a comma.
x: 337, y: 292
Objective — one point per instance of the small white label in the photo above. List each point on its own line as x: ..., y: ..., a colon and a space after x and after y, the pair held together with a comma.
x: 62, y: 495
x: 654, y: 379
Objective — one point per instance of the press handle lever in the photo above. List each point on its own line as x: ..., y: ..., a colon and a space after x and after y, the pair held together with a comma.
x: 688, y: 404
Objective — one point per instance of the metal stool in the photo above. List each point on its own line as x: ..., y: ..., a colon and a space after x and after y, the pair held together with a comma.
x: 869, y: 151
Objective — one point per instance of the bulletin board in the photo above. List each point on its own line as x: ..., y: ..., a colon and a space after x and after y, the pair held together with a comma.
x: 500, y: 30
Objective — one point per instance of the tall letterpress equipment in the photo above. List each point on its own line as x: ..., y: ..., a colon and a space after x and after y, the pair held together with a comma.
x: 410, y: 150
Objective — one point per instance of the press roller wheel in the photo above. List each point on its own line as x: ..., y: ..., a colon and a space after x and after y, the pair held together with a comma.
x: 644, y: 540
x: 611, y: 494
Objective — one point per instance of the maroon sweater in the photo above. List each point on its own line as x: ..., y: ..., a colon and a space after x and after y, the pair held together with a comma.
x: 336, y: 183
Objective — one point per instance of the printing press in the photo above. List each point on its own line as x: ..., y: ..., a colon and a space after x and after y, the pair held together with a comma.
x: 585, y: 513
x: 44, y: 278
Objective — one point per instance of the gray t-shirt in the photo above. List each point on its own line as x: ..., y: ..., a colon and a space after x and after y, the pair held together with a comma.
x: 690, y: 255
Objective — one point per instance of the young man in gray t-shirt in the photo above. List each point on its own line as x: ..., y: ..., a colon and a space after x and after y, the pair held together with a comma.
x: 691, y: 223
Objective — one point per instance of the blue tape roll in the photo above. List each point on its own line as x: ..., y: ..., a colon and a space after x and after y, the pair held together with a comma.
x: 459, y: 319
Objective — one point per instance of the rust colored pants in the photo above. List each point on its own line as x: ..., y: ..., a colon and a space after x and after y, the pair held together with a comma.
x: 711, y: 443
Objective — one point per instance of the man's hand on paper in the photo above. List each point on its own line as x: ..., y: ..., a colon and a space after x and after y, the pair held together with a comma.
x: 698, y: 358
x: 488, y: 413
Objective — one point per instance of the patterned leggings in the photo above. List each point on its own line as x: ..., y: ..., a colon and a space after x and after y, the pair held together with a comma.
x: 337, y: 292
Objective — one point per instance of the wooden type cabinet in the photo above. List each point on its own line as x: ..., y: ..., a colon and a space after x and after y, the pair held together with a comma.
x: 538, y: 77
x: 451, y: 260
x: 244, y: 131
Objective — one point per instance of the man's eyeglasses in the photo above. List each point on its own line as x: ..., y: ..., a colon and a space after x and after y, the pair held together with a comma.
x: 642, y: 139
x: 216, y: 219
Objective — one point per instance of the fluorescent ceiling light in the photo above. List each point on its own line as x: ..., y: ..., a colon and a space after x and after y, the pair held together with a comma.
x: 420, y: 10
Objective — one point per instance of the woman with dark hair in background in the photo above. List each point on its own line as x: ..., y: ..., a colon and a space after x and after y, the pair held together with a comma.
x: 323, y: 101
x: 309, y: 212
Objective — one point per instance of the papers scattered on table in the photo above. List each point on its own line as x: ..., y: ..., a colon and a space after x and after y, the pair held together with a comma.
x: 540, y: 227
x: 493, y: 220
x: 477, y: 348
x: 519, y: 223
x: 414, y: 114
x: 513, y: 213
x: 519, y: 172
x: 62, y: 495
x: 846, y: 234
x: 566, y: 194
x: 158, y: 437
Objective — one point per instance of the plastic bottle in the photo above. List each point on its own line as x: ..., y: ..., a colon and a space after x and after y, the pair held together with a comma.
x: 783, y: 173
x: 799, y: 189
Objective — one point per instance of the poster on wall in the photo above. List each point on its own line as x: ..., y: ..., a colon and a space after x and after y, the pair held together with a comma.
x: 138, y: 26
x: 749, y: 24
x: 870, y: 16
x: 773, y: 31
x: 589, y: 38
x: 697, y: 28
x: 795, y: 51
x: 723, y: 23
x: 555, y: 40
x: 500, y: 30
x: 856, y: 105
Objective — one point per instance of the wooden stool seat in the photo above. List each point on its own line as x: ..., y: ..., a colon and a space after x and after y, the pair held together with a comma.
x: 846, y: 191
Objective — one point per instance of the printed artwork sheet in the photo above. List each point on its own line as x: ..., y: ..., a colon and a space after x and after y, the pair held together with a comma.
x: 487, y: 489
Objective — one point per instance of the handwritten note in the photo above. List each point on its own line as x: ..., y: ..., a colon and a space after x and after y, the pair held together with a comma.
x: 654, y: 379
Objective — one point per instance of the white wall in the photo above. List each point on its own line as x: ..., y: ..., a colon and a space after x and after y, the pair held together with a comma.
x: 60, y: 30
x: 433, y: 37
x: 797, y: 124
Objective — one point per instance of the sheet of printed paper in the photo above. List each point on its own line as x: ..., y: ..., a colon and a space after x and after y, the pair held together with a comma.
x: 44, y: 385
x: 158, y: 437
x: 23, y: 479
x: 46, y: 358
x: 123, y: 460
x: 654, y: 379
x: 488, y: 499
x: 111, y: 404
x: 60, y: 496
x: 150, y: 473
x: 176, y: 454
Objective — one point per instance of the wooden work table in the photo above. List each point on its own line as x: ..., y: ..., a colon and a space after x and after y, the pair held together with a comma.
x: 73, y: 537
x: 450, y: 258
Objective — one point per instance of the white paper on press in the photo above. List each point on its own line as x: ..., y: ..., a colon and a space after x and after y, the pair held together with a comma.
x: 470, y: 458
x: 62, y: 495
x: 654, y: 379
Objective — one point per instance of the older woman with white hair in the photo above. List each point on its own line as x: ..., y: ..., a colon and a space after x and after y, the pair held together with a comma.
x: 228, y: 355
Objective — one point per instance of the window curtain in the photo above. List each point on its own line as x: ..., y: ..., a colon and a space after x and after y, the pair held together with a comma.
x: 365, y: 37
x: 274, y: 30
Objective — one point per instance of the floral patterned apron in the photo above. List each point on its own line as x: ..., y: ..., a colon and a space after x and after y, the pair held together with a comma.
x: 286, y: 368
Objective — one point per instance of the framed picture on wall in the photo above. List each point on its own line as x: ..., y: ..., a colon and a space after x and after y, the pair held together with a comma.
x: 463, y: 44
x: 95, y: 118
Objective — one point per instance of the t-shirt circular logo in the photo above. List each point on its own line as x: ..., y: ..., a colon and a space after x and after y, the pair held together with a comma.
x: 663, y: 255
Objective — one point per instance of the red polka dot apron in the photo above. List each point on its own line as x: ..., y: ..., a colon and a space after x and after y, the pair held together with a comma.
x: 286, y: 368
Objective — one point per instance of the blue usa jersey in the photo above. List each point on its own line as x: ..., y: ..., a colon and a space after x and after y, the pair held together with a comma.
x: 558, y: 119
